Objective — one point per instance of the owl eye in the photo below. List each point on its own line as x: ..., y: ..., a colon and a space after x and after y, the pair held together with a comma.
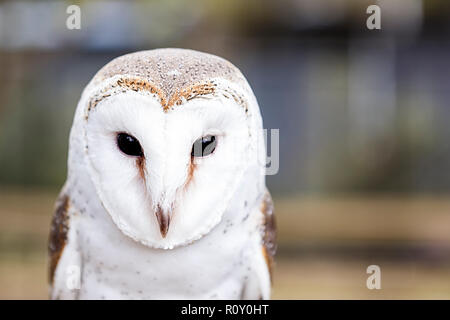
x: 204, y: 146
x: 129, y: 145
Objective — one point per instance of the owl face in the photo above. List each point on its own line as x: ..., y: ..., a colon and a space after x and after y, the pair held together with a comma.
x: 166, y: 176
x: 166, y: 136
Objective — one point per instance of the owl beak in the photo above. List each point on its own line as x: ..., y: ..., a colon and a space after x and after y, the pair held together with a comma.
x: 163, y: 220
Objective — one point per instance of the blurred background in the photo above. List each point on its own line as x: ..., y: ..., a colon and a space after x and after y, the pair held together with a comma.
x: 363, y: 116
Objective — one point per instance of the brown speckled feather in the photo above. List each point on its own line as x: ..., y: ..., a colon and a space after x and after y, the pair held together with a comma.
x: 58, y: 233
x: 171, y: 70
x: 269, y: 227
x: 171, y: 74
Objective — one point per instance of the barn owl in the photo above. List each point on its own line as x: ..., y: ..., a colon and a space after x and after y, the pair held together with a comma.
x: 165, y: 196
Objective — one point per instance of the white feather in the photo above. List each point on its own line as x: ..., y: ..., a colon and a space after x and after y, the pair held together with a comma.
x: 211, y: 249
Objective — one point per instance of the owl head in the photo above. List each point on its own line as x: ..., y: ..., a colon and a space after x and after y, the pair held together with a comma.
x: 168, y: 136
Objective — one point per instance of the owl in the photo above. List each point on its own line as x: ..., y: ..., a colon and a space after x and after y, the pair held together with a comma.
x: 165, y: 196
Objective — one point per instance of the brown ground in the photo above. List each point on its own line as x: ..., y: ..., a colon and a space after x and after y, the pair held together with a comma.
x: 325, y: 246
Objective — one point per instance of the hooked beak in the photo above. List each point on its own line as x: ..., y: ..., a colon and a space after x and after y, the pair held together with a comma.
x: 163, y: 220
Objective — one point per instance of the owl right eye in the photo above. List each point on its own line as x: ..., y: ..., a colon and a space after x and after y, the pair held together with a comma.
x: 129, y: 145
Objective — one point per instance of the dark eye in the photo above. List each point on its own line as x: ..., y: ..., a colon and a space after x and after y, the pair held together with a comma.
x: 129, y: 145
x: 204, y: 146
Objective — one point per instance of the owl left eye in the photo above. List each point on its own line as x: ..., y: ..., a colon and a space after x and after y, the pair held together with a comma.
x: 204, y: 146
x: 129, y: 145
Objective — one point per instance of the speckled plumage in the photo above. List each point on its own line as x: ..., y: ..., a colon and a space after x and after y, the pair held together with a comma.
x: 171, y: 70
x: 171, y: 75
x: 218, y: 246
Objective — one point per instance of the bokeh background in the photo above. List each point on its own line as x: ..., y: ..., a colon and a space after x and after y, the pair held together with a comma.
x: 363, y: 116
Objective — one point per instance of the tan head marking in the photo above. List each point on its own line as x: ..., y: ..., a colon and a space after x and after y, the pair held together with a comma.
x: 172, y: 75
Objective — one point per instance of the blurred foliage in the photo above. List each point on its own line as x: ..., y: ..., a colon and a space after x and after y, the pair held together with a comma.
x: 325, y: 246
x: 358, y: 111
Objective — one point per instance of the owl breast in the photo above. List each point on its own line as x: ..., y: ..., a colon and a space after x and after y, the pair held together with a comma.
x: 115, y: 267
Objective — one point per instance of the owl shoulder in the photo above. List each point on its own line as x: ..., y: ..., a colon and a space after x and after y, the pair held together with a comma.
x: 269, y: 245
x: 58, y: 232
